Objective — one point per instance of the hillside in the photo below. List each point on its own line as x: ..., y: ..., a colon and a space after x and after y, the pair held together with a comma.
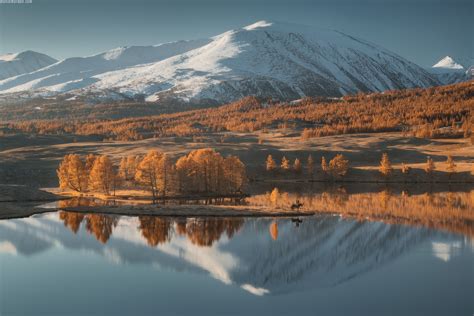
x: 445, y: 110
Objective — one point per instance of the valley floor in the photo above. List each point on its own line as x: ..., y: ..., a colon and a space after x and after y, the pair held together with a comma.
x: 32, y: 160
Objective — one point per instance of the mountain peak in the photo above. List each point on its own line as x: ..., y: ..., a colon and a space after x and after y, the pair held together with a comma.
x: 27, y: 54
x: 448, y: 63
x: 257, y: 25
x: 15, y: 64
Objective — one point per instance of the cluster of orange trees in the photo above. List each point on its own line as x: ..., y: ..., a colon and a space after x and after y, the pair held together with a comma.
x: 451, y: 211
x: 386, y: 168
x: 427, y: 112
x: 338, y: 166
x: 202, y: 171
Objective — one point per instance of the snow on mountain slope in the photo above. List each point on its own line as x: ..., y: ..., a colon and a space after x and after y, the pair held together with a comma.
x: 449, y: 70
x: 270, y: 60
x: 277, y: 60
x: 448, y: 63
x: 17, y: 64
x: 78, y: 72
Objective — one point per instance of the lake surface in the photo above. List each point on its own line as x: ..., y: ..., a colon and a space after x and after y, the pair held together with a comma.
x: 65, y: 263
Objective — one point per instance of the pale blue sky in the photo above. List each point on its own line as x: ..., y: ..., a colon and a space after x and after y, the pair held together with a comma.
x: 420, y: 30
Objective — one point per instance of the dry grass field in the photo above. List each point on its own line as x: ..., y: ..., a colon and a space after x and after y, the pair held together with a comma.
x: 32, y: 160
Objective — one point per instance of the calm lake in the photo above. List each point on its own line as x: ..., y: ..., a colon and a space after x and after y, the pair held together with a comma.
x: 65, y: 263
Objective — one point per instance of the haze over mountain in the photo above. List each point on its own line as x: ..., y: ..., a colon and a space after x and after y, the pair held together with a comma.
x: 271, y: 60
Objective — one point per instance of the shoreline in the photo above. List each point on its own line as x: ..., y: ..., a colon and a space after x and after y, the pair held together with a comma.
x: 24, y: 210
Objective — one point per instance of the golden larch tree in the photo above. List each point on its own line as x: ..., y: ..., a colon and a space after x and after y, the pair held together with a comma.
x: 324, y: 165
x: 451, y: 166
x: 430, y: 166
x: 234, y: 174
x: 128, y: 167
x: 72, y: 174
x: 103, y: 177
x: 149, y: 172
x: 339, y: 165
x: 285, y: 164
x: 405, y: 169
x: 270, y: 163
x: 385, y: 167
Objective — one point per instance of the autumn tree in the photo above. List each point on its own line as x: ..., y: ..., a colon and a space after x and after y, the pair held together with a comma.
x: 270, y: 163
x: 430, y: 166
x: 103, y: 177
x: 451, y: 166
x: 405, y: 169
x: 150, y: 172
x: 324, y: 165
x: 274, y: 196
x: 297, y: 166
x: 235, y: 175
x: 206, y: 171
x: 89, y: 162
x: 285, y: 164
x: 339, y: 165
x: 385, y: 166
x: 128, y: 167
x: 72, y: 174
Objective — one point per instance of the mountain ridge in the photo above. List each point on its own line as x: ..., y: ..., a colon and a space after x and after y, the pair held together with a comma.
x: 276, y: 60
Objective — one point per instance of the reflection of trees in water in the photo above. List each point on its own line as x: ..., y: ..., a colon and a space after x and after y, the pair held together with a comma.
x: 156, y: 230
x: 204, y: 232
x: 84, y: 201
x: 181, y: 226
x: 101, y: 226
x: 71, y: 220
x: 450, y: 211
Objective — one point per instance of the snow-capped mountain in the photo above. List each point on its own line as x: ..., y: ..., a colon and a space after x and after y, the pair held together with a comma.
x: 79, y: 72
x: 270, y: 60
x: 448, y: 63
x: 449, y: 70
x: 17, y: 64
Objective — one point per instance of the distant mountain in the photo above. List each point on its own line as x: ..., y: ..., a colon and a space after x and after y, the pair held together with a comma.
x: 270, y: 60
x: 449, y: 70
x: 17, y: 64
x: 448, y: 63
x: 79, y: 72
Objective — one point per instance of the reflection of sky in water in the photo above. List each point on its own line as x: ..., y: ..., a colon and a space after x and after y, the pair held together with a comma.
x: 324, y: 255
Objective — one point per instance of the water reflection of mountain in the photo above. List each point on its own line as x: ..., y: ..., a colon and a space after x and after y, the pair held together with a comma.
x: 322, y: 251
